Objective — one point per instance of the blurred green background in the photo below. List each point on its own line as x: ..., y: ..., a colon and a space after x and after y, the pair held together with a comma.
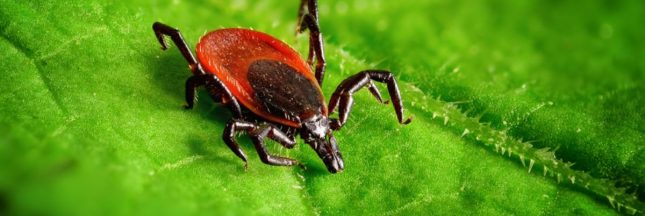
x: 91, y: 120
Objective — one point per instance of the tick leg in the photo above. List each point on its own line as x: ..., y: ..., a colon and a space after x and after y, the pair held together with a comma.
x: 308, y: 19
x: 342, y: 97
x: 229, y: 137
x: 217, y: 90
x: 376, y: 92
x: 258, y: 133
x: 302, y: 10
x: 161, y: 29
x: 191, y: 86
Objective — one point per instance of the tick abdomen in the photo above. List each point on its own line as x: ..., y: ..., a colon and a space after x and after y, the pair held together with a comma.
x: 282, y: 89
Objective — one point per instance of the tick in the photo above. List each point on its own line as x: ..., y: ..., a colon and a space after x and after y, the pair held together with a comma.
x: 271, y: 91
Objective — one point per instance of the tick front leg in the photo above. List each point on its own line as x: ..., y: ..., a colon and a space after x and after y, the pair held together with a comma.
x: 342, y: 97
x: 258, y: 133
x: 308, y: 19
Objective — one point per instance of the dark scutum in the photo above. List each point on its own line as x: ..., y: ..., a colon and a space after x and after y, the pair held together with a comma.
x: 283, y: 91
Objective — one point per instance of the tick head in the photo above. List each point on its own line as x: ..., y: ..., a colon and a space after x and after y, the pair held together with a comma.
x: 317, y: 134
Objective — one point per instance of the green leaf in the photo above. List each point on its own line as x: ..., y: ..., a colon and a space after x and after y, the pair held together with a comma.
x: 91, y: 120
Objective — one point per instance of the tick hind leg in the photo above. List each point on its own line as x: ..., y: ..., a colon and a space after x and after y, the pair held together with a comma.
x: 191, y: 88
x: 342, y: 97
x: 217, y: 90
x: 257, y: 134
x: 161, y: 29
x: 308, y: 19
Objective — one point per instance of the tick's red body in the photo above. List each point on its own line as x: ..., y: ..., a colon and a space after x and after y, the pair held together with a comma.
x: 228, y: 54
x: 253, y: 72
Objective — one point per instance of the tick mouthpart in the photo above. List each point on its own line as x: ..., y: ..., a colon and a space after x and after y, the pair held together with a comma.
x: 329, y: 153
x: 331, y: 156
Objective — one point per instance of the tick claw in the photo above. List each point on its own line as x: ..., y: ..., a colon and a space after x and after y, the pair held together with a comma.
x: 301, y: 27
x: 407, y: 121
